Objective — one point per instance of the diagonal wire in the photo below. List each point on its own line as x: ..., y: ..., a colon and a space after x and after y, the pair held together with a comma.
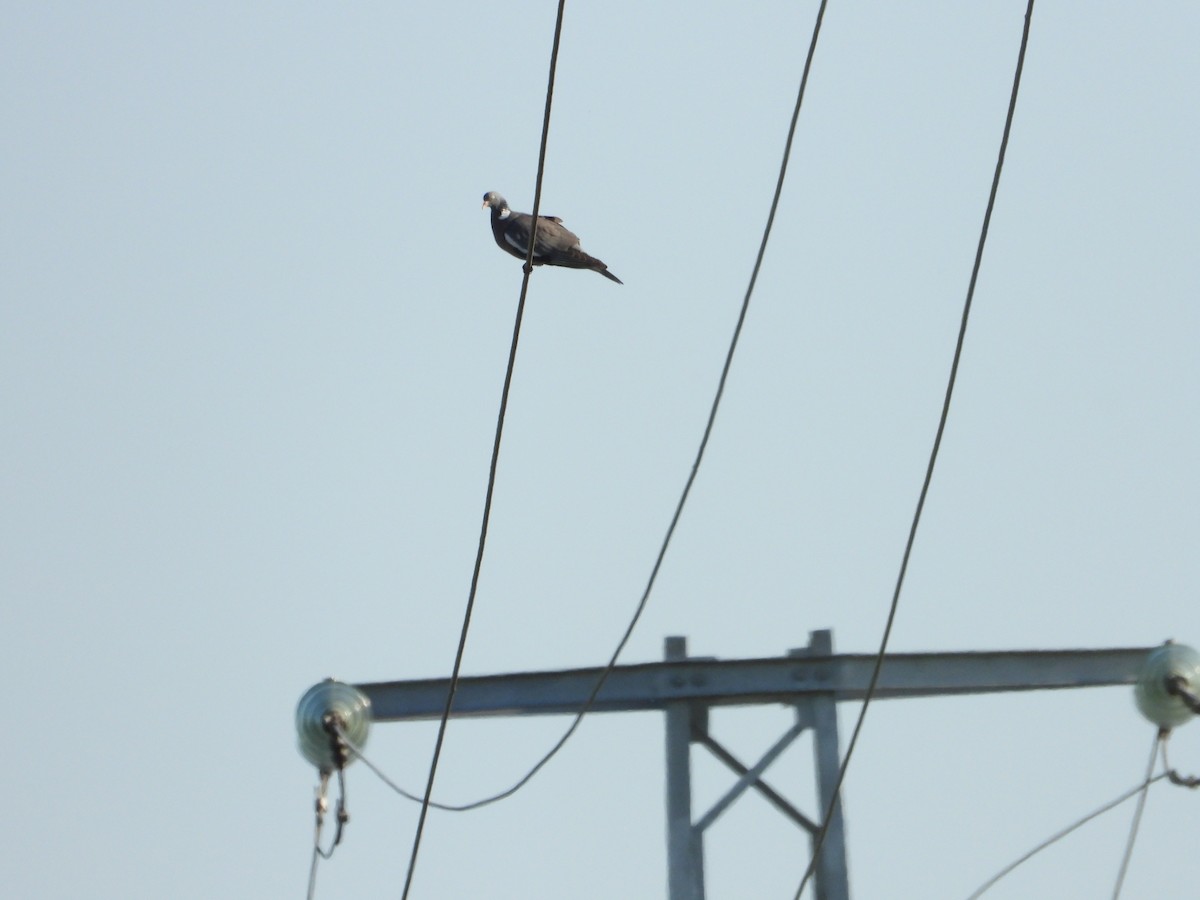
x: 1059, y: 835
x: 712, y: 415
x: 1159, y: 738
x: 491, y: 484
x: 937, y: 443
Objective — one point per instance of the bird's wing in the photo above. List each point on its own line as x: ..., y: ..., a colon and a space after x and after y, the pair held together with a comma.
x: 552, y: 236
x: 516, y: 232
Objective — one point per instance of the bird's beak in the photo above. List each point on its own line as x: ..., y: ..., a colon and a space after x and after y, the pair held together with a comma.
x: 485, y: 205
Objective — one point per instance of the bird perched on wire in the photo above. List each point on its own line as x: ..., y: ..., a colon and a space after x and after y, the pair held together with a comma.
x: 555, y: 246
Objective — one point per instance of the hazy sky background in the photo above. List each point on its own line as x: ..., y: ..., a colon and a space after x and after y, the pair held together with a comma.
x: 252, y: 336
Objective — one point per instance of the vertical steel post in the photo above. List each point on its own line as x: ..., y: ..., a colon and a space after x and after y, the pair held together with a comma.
x: 685, y: 852
x: 831, y: 879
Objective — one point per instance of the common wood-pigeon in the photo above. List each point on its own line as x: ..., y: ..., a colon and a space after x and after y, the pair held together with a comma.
x: 556, y: 246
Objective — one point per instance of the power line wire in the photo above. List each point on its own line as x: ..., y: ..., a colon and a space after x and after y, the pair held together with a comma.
x: 1134, y: 826
x: 357, y: 751
x: 491, y: 483
x: 586, y: 706
x: 712, y: 415
x: 937, y: 442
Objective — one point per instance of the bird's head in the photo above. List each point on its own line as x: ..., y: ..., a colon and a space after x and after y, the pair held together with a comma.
x: 495, y: 201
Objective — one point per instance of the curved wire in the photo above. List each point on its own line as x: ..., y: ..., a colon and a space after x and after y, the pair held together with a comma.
x: 491, y: 484
x: 357, y: 751
x: 712, y: 415
x: 937, y: 443
x: 1159, y: 739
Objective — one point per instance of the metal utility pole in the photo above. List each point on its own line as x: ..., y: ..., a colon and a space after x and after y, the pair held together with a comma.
x: 687, y: 723
x: 811, y: 680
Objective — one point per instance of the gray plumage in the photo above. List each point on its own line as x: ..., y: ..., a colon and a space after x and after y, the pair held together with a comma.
x: 556, y: 246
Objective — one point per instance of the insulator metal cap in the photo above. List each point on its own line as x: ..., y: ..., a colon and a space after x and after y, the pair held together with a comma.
x: 347, y: 704
x: 1152, y: 692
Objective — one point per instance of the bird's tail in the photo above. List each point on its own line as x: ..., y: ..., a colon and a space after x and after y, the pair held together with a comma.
x: 577, y: 259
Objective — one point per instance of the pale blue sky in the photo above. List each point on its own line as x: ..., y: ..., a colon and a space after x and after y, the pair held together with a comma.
x: 252, y: 339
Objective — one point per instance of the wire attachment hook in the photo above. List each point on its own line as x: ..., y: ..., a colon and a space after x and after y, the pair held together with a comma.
x: 1187, y: 781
